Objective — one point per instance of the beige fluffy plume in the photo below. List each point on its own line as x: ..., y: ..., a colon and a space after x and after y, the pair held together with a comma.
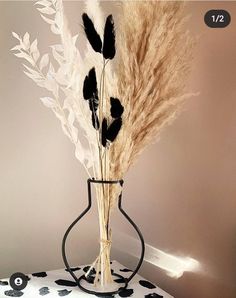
x: 155, y: 53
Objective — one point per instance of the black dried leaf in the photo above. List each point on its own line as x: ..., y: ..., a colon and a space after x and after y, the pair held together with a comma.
x: 109, y: 49
x: 93, y: 104
x: 90, y: 90
x: 116, y: 108
x: 114, y: 129
x: 104, y: 132
x: 87, y: 91
x: 95, y: 120
x: 91, y: 33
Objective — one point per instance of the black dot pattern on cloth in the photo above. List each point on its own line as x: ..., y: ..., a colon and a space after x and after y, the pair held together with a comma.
x: 107, y: 296
x: 63, y: 293
x: 126, y: 270
x: 65, y: 283
x: 90, y: 279
x: 73, y: 269
x: 39, y: 274
x: 119, y: 280
x: 92, y: 272
x: 44, y: 291
x: 126, y: 293
x: 58, y: 283
x: 147, y: 284
x: 153, y: 295
x: 13, y: 293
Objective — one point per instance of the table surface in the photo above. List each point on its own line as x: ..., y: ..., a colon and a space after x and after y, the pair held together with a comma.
x: 59, y: 283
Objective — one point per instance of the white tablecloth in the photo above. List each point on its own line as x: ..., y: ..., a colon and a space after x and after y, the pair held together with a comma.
x: 59, y: 283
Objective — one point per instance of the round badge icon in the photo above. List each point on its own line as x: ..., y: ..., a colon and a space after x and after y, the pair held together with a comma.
x: 18, y: 281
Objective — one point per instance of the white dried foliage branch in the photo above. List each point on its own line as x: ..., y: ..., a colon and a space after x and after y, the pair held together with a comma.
x: 63, y: 81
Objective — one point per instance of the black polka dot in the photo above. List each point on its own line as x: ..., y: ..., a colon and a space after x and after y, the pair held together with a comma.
x: 110, y: 296
x: 73, y: 269
x: 65, y: 283
x: 44, y: 291
x: 40, y: 274
x: 147, y: 284
x: 126, y: 293
x: 3, y: 283
x: 63, y: 293
x: 119, y: 280
x: 13, y: 293
x: 153, y: 295
x: 90, y: 279
x: 92, y: 271
x: 126, y: 270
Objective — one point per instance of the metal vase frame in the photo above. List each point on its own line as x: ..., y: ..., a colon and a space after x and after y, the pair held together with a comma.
x: 83, y: 277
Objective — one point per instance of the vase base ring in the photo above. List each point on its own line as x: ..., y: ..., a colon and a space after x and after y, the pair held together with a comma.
x: 103, y: 294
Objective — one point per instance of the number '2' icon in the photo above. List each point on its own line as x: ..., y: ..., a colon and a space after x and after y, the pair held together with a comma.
x: 217, y: 18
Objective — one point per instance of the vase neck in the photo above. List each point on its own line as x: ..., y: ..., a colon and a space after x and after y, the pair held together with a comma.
x: 97, y: 181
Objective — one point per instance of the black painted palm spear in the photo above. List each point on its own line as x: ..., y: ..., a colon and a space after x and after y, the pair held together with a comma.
x: 109, y: 129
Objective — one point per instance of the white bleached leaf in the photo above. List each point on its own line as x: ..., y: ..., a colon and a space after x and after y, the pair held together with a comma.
x: 48, y: 102
x: 47, y: 20
x: 24, y: 56
x: 16, y: 35
x: 58, y: 19
x: 47, y: 10
x: 74, y: 130
x: 57, y: 57
x: 34, y: 46
x: 65, y: 130
x: 33, y: 72
x: 36, y: 55
x: 71, y: 118
x: 60, y: 116
x: 44, y: 61
x: 74, y: 39
x: 74, y: 133
x: 43, y: 3
x: 26, y: 40
x: 16, y: 48
x: 58, y: 47
x: 83, y: 155
x: 60, y: 78
x: 51, y: 70
x: 41, y: 83
x: 20, y: 55
x: 79, y: 152
x: 55, y: 29
x: 30, y: 75
x: 50, y: 85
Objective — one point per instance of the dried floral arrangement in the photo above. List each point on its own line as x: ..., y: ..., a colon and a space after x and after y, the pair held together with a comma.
x: 112, y: 111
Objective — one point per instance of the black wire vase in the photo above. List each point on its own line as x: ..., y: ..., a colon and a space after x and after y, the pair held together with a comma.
x: 84, y: 282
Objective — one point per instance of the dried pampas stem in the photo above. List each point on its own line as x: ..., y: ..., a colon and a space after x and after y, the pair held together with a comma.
x: 155, y: 53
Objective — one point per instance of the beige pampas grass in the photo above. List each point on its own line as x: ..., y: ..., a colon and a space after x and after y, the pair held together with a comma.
x: 155, y: 54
